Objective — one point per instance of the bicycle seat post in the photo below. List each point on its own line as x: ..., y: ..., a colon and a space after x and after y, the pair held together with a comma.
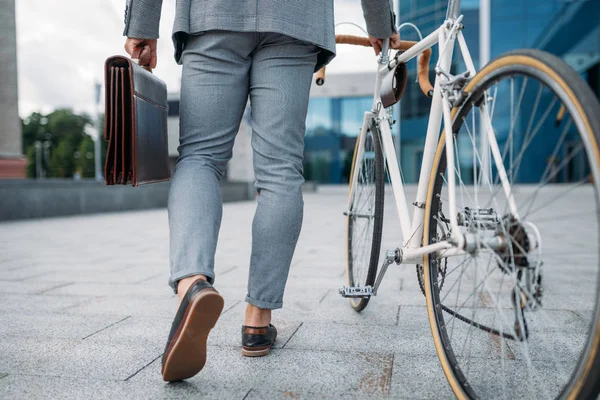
x: 453, y: 9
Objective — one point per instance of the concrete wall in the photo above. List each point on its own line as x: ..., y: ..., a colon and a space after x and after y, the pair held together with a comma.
x: 22, y: 199
x: 10, y: 126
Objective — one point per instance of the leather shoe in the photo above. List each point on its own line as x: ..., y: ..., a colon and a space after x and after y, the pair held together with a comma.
x: 185, y: 352
x: 258, y: 341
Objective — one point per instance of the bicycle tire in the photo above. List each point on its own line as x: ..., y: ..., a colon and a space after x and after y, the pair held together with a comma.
x: 354, y: 262
x: 583, y: 381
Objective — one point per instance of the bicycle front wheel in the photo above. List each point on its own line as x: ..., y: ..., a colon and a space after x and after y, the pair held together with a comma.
x: 365, y: 215
x: 518, y: 316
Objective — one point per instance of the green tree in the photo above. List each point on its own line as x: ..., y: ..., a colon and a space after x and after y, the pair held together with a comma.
x: 33, y: 128
x: 31, y: 168
x: 62, y: 160
x: 64, y: 134
x: 84, y: 158
x: 64, y: 125
x: 103, y: 143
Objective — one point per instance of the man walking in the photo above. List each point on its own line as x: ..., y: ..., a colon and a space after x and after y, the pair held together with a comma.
x: 232, y: 51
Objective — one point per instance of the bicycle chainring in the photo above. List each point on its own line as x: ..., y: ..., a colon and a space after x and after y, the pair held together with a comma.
x: 441, y: 275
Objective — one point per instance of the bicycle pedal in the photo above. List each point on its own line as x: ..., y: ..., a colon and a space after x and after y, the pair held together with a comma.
x: 356, y: 292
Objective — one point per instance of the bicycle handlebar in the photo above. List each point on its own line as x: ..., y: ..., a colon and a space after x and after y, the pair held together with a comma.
x: 422, y: 69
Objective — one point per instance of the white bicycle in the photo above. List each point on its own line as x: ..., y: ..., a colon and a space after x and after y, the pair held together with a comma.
x: 509, y: 318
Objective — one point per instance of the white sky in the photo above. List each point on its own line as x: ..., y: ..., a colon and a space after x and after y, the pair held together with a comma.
x: 62, y: 45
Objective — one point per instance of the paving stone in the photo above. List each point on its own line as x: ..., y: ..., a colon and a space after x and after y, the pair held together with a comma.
x: 46, y: 387
x: 37, y: 303
x: 19, y: 274
x: 411, y: 336
x: 136, y: 306
x: 102, y: 360
x: 232, y: 293
x: 130, y: 275
x: 306, y: 282
x: 105, y: 289
x: 150, y: 331
x: 88, y: 272
x: 155, y: 328
x: 14, y: 263
x: 53, y: 325
x: 294, y: 371
x: 225, y: 368
x: 367, y: 373
x: 27, y: 355
x: 256, y: 394
x: 185, y: 390
x: 419, y: 378
x: 21, y: 287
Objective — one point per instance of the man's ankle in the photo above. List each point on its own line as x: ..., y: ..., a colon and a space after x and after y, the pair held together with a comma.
x: 184, y: 284
x: 257, y: 316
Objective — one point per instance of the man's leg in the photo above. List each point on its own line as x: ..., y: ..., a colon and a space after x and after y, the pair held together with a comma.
x: 280, y: 79
x: 214, y: 92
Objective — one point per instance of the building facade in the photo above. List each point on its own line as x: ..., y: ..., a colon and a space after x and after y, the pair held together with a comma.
x: 568, y: 29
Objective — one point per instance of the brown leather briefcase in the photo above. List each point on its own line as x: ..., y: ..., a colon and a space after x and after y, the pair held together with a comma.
x: 135, y: 124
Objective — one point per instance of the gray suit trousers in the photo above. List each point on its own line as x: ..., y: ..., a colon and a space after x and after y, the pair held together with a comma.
x: 221, y: 70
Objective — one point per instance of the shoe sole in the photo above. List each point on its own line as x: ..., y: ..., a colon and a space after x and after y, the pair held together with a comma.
x: 247, y: 352
x: 186, y: 355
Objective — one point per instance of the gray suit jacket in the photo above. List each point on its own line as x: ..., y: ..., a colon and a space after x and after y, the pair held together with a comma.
x: 308, y: 20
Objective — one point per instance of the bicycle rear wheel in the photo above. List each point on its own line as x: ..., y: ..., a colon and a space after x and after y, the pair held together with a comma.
x: 518, y: 314
x: 365, y: 216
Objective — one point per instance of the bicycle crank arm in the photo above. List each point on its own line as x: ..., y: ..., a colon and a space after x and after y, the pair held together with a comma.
x: 391, y: 256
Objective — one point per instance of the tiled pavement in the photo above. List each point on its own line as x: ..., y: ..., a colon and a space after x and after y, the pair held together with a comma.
x: 85, y: 311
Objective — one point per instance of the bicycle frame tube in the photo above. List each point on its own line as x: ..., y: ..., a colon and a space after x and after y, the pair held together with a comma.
x: 453, y: 9
x: 495, y: 149
x: 431, y: 141
x: 389, y: 152
x: 412, y: 229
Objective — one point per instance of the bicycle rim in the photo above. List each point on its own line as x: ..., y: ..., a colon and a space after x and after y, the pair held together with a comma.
x: 365, y: 217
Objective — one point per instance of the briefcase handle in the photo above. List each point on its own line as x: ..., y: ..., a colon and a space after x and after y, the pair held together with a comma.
x: 135, y: 57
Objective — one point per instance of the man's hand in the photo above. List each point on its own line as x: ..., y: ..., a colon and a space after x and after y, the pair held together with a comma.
x: 144, y: 49
x: 378, y: 43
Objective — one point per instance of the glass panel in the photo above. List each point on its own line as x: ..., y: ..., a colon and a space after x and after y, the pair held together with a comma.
x: 352, y: 111
x: 318, y: 118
